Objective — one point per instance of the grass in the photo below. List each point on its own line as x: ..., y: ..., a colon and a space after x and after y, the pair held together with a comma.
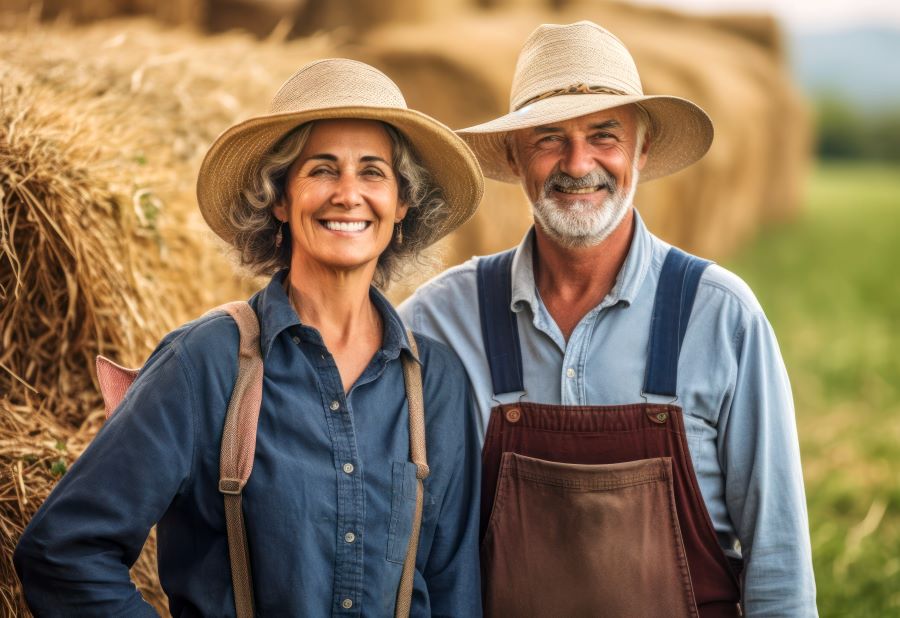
x: 830, y: 287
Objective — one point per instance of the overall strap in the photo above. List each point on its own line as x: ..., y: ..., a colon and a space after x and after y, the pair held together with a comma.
x: 238, y: 449
x: 672, y: 307
x: 499, y: 327
x: 412, y: 378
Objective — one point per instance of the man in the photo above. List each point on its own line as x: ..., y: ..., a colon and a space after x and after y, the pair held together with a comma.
x: 640, y: 451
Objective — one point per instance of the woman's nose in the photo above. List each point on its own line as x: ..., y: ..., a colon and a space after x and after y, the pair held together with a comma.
x: 347, y: 191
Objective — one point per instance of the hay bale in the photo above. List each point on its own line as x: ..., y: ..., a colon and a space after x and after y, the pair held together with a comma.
x: 102, y: 248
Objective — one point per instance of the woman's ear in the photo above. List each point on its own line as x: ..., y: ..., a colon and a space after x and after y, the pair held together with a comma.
x: 402, y: 209
x: 280, y: 211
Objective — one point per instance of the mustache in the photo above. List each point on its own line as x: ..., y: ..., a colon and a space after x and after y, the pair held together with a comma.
x: 598, y: 177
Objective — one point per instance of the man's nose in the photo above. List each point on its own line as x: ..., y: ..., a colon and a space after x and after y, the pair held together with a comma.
x: 577, y: 160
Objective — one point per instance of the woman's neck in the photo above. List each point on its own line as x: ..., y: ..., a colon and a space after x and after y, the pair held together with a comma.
x: 337, y: 304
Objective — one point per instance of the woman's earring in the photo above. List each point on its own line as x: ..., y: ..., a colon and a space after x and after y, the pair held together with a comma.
x: 279, y: 236
x: 399, y: 233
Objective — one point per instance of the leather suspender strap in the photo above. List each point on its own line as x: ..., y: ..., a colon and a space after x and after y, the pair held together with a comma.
x: 499, y: 325
x: 412, y: 377
x: 239, y: 448
x: 675, y: 293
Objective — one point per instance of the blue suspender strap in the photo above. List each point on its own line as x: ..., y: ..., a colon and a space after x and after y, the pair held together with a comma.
x: 672, y: 307
x: 499, y: 328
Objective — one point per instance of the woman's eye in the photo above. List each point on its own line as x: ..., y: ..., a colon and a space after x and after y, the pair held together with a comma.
x: 321, y: 171
x: 374, y: 172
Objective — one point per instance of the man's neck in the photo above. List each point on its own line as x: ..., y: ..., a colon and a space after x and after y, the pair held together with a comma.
x: 571, y: 282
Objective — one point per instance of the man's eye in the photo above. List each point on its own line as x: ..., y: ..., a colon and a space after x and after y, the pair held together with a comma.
x: 549, y: 140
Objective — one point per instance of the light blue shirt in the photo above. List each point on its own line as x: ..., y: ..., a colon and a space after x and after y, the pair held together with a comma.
x: 732, y: 386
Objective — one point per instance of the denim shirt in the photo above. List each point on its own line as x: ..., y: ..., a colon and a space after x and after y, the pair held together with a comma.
x: 329, y: 504
x: 732, y: 386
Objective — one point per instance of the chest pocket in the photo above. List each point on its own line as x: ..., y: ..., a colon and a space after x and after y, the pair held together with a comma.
x: 403, y: 507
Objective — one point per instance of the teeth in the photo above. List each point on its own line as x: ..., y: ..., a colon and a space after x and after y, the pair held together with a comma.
x: 345, y: 226
x: 578, y: 191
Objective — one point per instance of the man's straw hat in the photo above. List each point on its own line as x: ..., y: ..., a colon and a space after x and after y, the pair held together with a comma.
x: 329, y: 89
x: 564, y: 72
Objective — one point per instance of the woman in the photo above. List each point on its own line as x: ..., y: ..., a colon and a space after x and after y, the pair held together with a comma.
x: 327, y: 191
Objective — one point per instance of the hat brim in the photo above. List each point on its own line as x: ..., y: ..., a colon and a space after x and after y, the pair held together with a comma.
x: 234, y: 159
x: 680, y: 132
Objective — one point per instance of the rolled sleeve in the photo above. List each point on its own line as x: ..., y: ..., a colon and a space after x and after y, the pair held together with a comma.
x: 74, y: 556
x: 764, y: 482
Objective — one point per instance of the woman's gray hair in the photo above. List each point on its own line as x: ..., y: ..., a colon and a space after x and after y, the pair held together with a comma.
x: 257, y: 226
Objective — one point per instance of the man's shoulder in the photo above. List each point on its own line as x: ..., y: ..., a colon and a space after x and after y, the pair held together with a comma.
x: 453, y: 286
x: 720, y: 285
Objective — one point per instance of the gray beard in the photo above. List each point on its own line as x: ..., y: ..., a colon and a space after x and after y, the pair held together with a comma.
x: 583, y: 224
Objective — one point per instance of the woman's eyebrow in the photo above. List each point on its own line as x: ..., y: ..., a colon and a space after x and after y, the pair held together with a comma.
x: 370, y: 158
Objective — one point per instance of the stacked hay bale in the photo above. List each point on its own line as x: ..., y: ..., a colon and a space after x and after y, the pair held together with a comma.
x: 102, y: 249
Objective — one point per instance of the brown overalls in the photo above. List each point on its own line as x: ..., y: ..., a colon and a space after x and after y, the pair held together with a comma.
x: 595, y: 510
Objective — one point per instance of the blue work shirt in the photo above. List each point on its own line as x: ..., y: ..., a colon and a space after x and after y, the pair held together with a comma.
x: 328, y: 507
x: 732, y: 386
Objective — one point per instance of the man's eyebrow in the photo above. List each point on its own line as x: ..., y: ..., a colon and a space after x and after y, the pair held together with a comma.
x: 547, y: 129
x: 612, y: 123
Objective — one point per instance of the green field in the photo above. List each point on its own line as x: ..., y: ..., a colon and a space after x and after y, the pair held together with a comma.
x: 829, y: 283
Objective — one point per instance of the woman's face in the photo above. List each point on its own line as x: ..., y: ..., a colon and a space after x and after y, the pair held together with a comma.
x: 341, y: 197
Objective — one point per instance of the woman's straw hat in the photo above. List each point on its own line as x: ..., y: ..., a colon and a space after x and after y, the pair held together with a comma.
x: 564, y: 72
x: 328, y: 89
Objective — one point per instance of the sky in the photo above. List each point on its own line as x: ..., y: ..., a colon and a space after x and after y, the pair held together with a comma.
x: 802, y: 15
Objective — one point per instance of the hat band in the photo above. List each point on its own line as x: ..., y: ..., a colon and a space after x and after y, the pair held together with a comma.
x: 579, y: 88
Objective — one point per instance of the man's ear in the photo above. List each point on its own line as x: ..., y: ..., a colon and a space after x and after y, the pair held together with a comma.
x: 645, y: 150
x: 510, y: 141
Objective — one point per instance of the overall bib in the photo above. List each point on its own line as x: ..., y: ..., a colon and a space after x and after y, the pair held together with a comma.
x: 595, y: 510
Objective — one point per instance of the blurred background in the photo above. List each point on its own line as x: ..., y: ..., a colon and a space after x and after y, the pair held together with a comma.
x: 108, y: 106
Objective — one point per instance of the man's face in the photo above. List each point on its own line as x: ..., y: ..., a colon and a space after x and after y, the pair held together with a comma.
x: 581, y: 174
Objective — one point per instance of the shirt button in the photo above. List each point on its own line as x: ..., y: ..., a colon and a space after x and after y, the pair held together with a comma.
x: 334, y: 405
x: 347, y: 603
x: 349, y: 537
x: 296, y: 339
x: 570, y: 372
x: 348, y: 468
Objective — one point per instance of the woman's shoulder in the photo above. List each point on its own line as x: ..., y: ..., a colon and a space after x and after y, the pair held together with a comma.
x: 443, y: 374
x: 437, y: 356
x: 210, y: 341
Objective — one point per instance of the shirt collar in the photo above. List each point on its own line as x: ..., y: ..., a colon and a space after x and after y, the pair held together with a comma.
x: 277, y: 315
x: 628, y: 281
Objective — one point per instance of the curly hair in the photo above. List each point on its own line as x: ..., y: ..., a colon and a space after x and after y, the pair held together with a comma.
x: 256, y: 225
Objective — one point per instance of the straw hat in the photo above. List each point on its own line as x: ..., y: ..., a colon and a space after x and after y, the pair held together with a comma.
x: 564, y: 72
x: 328, y: 89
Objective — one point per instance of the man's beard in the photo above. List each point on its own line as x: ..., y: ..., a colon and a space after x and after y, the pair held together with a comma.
x: 583, y: 223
